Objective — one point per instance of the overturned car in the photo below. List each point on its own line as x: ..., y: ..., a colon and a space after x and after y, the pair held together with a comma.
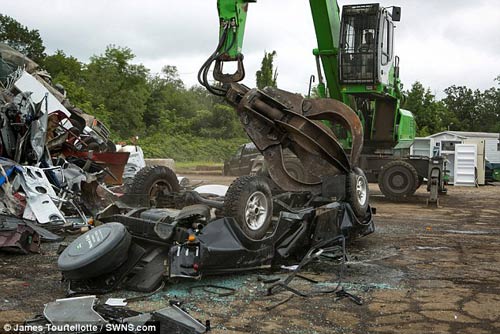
x: 206, y: 231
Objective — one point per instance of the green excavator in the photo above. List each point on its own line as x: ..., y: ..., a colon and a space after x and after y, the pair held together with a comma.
x: 356, y: 126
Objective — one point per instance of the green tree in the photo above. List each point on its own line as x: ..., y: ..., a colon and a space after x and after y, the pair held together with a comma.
x: 267, y: 76
x: 219, y: 123
x: 464, y: 104
x: 431, y: 115
x: 489, y: 109
x: 168, y: 102
x: 121, y: 87
x: 19, y: 37
x: 61, y: 64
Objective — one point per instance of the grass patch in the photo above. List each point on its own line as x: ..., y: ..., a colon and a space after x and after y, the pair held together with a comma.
x: 190, y: 166
x: 190, y: 150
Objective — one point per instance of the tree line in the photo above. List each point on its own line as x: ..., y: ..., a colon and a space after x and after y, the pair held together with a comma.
x: 461, y: 109
x: 188, y: 123
x: 170, y: 119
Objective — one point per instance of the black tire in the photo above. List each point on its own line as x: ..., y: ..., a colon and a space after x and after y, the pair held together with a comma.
x: 358, y: 193
x: 249, y: 201
x: 95, y: 253
x: 152, y: 181
x: 398, y: 180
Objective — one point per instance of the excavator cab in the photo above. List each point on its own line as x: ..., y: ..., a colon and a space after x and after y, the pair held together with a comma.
x: 368, y: 74
x: 366, y: 45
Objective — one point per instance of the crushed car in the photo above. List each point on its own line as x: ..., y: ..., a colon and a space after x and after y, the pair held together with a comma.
x: 205, y: 231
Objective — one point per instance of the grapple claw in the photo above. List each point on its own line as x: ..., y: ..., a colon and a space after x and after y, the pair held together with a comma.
x: 276, y: 119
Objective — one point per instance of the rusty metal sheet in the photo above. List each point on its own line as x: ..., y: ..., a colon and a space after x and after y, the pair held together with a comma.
x: 277, y: 171
x: 338, y: 113
x: 20, y: 239
x: 114, y: 161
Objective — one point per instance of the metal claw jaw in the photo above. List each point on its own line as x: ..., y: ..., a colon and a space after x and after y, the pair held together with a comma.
x: 275, y: 120
x: 225, y: 77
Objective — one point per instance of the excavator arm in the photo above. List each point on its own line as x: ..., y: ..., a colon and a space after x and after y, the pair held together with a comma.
x: 326, y: 17
x: 275, y: 119
x: 232, y: 19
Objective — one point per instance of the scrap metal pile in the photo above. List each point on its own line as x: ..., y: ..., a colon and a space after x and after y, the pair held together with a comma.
x: 53, y: 157
x: 56, y: 162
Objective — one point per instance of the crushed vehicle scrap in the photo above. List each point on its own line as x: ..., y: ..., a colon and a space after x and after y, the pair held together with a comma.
x: 147, y: 251
x: 142, y: 228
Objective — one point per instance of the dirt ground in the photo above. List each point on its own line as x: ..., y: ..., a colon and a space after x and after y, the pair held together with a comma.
x: 424, y: 270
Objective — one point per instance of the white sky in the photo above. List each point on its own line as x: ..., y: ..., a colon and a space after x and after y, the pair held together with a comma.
x: 440, y: 43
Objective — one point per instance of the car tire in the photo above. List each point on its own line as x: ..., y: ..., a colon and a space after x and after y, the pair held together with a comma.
x: 152, y: 181
x: 95, y: 253
x: 398, y: 180
x: 358, y: 193
x: 249, y: 201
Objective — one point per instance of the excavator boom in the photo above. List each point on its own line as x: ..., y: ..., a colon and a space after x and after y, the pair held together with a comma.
x: 357, y: 121
x: 275, y: 119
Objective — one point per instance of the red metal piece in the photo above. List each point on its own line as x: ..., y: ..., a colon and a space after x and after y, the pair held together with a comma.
x: 114, y: 161
x: 23, y: 240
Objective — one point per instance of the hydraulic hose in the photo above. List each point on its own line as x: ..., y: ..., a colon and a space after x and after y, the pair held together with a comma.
x: 205, y: 68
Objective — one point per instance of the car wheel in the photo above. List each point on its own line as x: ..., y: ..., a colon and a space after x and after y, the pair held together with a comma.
x: 358, y: 193
x: 154, y: 181
x: 249, y: 201
x: 95, y: 253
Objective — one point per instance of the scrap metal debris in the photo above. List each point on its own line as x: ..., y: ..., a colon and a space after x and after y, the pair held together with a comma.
x: 19, y: 238
x: 55, y: 165
x: 73, y: 310
x: 53, y: 156
x: 218, y: 290
x: 87, y: 314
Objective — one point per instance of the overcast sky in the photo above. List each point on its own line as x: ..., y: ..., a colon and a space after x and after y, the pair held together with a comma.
x: 440, y: 43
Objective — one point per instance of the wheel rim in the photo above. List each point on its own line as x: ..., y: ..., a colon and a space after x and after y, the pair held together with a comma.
x: 399, y: 181
x: 158, y: 187
x: 361, y: 190
x: 256, y: 210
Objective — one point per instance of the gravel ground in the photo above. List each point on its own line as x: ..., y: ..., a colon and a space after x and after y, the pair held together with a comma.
x: 424, y: 270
